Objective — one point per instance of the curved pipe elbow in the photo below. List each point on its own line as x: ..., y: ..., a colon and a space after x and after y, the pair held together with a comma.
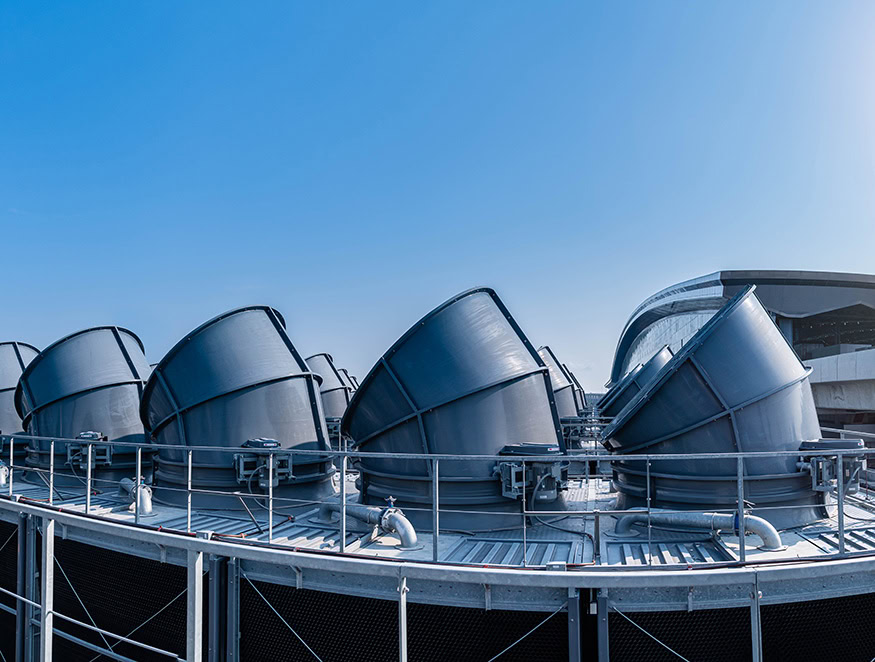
x: 398, y: 523
x: 769, y: 535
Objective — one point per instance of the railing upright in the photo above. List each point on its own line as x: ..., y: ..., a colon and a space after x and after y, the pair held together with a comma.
x: 188, y: 497
x: 51, y: 472
x: 11, y: 463
x: 88, y: 479
x: 840, y: 487
x: 435, y: 510
x: 343, y: 503
x: 270, y: 498
x: 139, y: 479
x: 739, y: 467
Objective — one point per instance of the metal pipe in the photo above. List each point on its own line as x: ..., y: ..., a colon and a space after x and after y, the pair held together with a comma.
x: 714, y: 521
x: 389, y: 520
x: 140, y: 495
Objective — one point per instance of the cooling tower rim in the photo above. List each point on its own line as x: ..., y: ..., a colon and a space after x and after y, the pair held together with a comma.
x: 361, y: 390
x: 560, y: 365
x: 620, y: 386
x: 679, y: 359
x: 19, y: 406
x: 157, y: 371
x: 343, y: 386
x: 17, y: 343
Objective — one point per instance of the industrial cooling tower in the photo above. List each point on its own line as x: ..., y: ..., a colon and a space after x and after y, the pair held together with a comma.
x: 237, y: 382
x: 463, y: 380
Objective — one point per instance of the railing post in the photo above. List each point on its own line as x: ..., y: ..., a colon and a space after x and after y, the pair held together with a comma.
x: 232, y: 606
x: 402, y: 619
x: 270, y: 498
x: 436, y: 510
x: 217, y: 611
x: 137, y: 486
x: 649, y: 526
x: 88, y: 480
x: 739, y: 465
x: 194, y: 607
x: 840, y: 486
x: 31, y: 572
x: 574, y: 648
x: 343, y: 504
x: 525, y: 546
x: 188, y: 496
x: 47, y: 591
x: 51, y: 474
x: 11, y: 462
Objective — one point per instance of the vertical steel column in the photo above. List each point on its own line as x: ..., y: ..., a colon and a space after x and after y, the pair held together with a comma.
x: 31, y: 573
x: 51, y: 472
x: 343, y: 504
x: 525, y: 541
x: 756, y: 631
x: 739, y: 467
x: 194, y: 607
x: 435, y: 510
x: 402, y: 619
x: 840, y: 486
x: 11, y: 462
x: 574, y: 625
x: 602, y: 625
x: 232, y: 611
x: 21, y: 628
x: 47, y: 591
x: 139, y: 479
x: 188, y: 497
x: 216, y: 612
x: 649, y: 523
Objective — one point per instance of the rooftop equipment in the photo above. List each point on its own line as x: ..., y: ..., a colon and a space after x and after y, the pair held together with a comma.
x: 86, y: 385
x: 464, y: 380
x: 630, y: 385
x: 348, y: 379
x: 735, y: 386
x: 579, y: 393
x: 14, y: 358
x: 336, y: 393
x: 563, y: 386
x: 238, y: 382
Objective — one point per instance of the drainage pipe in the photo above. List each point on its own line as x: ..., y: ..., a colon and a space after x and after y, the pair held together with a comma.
x: 714, y: 521
x: 390, y: 520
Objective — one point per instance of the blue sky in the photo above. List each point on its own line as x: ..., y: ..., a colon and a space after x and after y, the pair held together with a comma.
x: 355, y: 164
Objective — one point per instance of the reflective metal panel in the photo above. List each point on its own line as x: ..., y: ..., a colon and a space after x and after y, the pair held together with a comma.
x: 14, y: 358
x: 628, y: 387
x: 335, y: 391
x: 563, y: 387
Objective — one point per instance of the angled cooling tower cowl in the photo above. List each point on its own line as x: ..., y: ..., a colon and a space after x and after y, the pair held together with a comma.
x: 737, y: 385
x: 464, y: 380
x: 236, y: 381
x: 335, y: 391
x: 89, y: 381
x: 348, y: 380
x: 631, y: 384
x: 563, y: 386
x: 14, y: 358
x: 579, y: 393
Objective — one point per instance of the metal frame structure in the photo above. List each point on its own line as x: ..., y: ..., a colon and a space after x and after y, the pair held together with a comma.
x: 227, y: 562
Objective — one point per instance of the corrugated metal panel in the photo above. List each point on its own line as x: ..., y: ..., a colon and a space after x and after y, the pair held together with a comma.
x: 856, y: 540
x: 498, y: 551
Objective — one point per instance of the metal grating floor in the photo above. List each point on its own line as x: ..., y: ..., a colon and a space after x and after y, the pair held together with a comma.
x: 665, y: 552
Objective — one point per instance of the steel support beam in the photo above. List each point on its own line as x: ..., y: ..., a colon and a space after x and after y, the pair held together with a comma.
x: 756, y: 630
x: 574, y: 625
x: 232, y: 613
x: 194, y: 607
x: 47, y: 591
x: 602, y: 609
x: 21, y: 615
x: 31, y: 573
x: 402, y: 619
x: 216, y: 611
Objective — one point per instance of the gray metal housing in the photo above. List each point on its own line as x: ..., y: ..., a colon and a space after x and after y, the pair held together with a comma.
x: 627, y: 388
x: 736, y: 386
x: 336, y: 393
x: 14, y: 358
x: 462, y: 380
x: 563, y: 386
x: 89, y: 381
x: 579, y: 393
x: 236, y: 377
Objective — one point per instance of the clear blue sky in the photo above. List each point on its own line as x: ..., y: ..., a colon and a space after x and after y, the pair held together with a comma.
x: 355, y: 164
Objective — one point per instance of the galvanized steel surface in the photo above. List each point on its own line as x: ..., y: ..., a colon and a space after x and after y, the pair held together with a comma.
x: 14, y: 358
x: 563, y: 386
x: 336, y: 393
x: 622, y: 394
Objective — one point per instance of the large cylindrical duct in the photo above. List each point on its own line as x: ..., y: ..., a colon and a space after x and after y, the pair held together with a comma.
x: 237, y: 382
x: 563, y: 387
x: 87, y: 382
x: 335, y: 392
x: 629, y: 386
x: 463, y: 380
x: 737, y: 385
x: 14, y: 358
